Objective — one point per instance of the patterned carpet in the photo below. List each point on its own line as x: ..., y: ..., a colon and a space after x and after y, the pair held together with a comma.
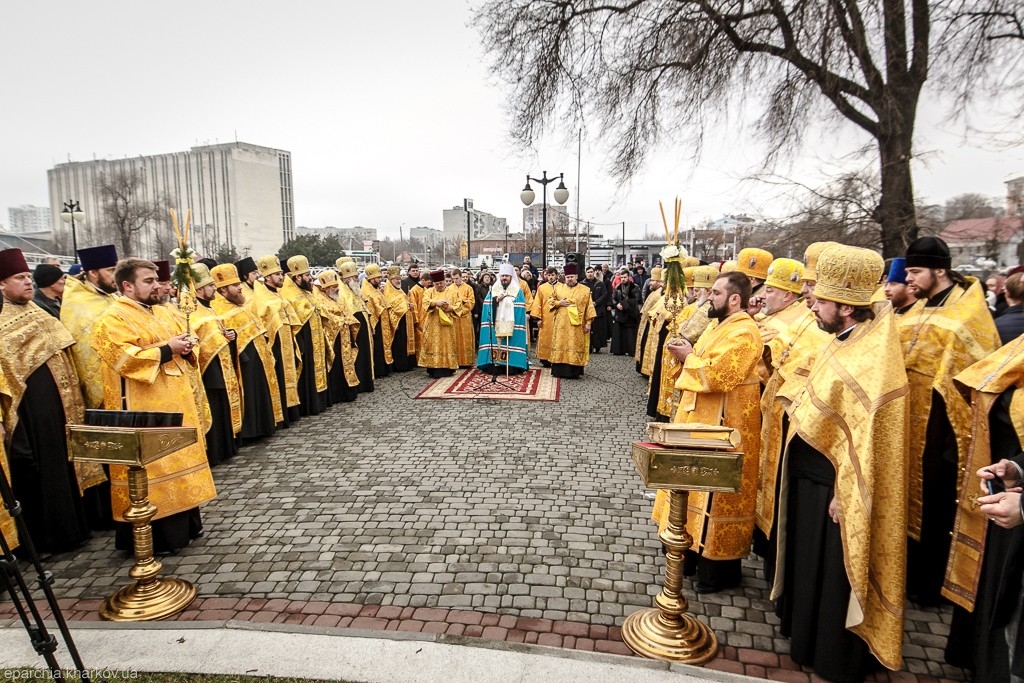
x: 532, y: 385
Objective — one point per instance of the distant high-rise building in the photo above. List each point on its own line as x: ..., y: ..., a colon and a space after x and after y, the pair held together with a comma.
x: 533, y: 217
x: 240, y: 194
x: 28, y: 218
x: 428, y: 236
x: 481, y: 223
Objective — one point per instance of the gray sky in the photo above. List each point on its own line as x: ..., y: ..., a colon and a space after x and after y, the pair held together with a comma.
x: 386, y: 107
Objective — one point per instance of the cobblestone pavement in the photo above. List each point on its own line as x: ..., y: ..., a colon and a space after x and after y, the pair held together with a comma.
x: 494, y: 519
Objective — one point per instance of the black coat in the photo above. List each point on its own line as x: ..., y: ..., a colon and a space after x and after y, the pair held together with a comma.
x: 1011, y: 323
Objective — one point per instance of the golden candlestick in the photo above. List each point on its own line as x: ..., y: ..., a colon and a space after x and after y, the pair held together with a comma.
x: 699, y: 458
x: 667, y: 632
x: 152, y: 596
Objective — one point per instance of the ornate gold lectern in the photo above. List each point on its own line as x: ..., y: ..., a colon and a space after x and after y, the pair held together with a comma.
x: 666, y: 631
x: 151, y: 596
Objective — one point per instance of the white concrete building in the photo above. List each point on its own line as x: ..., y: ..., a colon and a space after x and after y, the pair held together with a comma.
x: 27, y: 218
x: 240, y: 194
x: 481, y: 224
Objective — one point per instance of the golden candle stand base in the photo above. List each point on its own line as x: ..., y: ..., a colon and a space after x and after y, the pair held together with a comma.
x: 151, y: 597
x: 666, y: 632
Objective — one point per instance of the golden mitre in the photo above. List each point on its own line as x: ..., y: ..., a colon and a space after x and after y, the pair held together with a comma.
x: 268, y: 265
x: 785, y: 273
x: 705, y: 276
x: 688, y: 275
x: 811, y: 255
x: 327, y: 278
x: 848, y: 275
x: 754, y: 262
x: 224, y: 275
x: 298, y: 265
x: 202, y: 275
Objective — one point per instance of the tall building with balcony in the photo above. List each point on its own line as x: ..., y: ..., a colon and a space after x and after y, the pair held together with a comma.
x: 240, y: 195
x: 479, y: 223
x: 27, y: 218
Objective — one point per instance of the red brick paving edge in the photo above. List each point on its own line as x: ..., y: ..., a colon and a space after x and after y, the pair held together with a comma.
x: 454, y: 625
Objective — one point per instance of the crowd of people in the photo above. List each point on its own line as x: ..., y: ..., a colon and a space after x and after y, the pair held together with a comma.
x: 881, y: 428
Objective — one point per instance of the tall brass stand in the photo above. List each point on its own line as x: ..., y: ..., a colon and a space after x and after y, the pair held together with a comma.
x: 151, y: 596
x: 667, y: 632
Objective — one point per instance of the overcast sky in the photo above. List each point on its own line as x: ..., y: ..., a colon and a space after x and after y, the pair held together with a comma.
x: 386, y: 107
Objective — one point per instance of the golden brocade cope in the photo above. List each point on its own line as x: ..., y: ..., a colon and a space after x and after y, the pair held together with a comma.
x: 690, y: 324
x: 128, y: 339
x: 374, y: 299
x: 938, y: 343
x: 416, y: 299
x: 648, y: 319
x: 542, y: 312
x: 570, y: 344
x: 854, y: 411
x: 982, y: 384
x: 791, y: 354
x: 250, y: 331
x: 355, y: 306
x: 278, y: 319
x: 33, y: 338
x: 215, y: 347
x: 302, y: 304
x: 81, y: 308
x: 398, y: 309
x: 341, y: 326
x: 7, y: 527
x: 527, y: 293
x: 439, y: 345
x: 466, y: 339
x: 719, y: 386
x: 772, y: 325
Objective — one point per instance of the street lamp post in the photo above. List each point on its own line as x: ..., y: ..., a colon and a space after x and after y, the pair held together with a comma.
x: 70, y: 214
x: 561, y: 196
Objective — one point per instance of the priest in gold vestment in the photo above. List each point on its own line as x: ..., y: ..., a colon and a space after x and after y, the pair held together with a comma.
x: 351, y: 298
x: 842, y: 500
x: 85, y: 298
x: 218, y: 365
x: 571, y: 312
x: 986, y: 562
x: 465, y: 336
x: 439, y: 354
x: 398, y: 308
x: 39, y: 394
x: 149, y: 364
x: 278, y: 318
x: 541, y: 311
x: 340, y: 332
x: 719, y: 386
x: 687, y: 324
x: 297, y: 290
x: 947, y: 330
x: 261, y: 397
x: 792, y: 341
x: 380, y: 324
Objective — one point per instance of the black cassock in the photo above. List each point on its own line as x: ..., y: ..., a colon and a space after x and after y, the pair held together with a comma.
x: 380, y: 366
x: 337, y: 384
x: 364, y: 359
x: 258, y: 408
x: 652, y: 396
x: 43, y: 480
x: 290, y: 414
x: 402, y: 361
x: 311, y: 401
x: 977, y: 640
x: 220, y: 439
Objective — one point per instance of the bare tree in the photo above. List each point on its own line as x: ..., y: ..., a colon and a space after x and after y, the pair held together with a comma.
x: 970, y: 205
x: 124, y: 210
x: 650, y: 69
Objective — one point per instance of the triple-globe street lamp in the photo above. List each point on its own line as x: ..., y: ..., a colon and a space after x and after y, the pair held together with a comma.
x: 561, y: 195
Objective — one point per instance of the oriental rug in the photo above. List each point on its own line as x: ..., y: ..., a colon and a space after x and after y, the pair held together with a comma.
x: 532, y: 385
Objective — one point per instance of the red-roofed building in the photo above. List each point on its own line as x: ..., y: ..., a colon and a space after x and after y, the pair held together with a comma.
x: 996, y: 238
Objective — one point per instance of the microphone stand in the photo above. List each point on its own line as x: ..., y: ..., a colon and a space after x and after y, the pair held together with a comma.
x: 11, y: 578
x: 493, y: 372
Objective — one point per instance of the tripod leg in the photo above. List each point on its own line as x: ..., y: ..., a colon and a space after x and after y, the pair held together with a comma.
x: 43, y: 642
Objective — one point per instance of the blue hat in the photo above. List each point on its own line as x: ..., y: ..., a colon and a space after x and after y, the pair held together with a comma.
x: 75, y: 269
x: 898, y: 271
x: 94, y: 258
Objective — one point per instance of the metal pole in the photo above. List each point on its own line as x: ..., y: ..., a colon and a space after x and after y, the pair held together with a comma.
x: 579, y: 174
x: 623, y: 242
x: 544, y: 222
x: 469, y: 233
